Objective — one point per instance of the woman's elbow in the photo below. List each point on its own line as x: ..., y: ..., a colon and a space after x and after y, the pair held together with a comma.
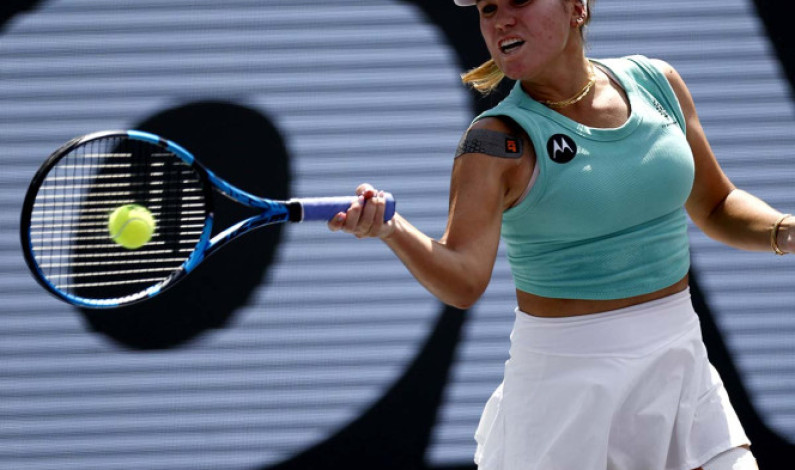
x: 466, y: 295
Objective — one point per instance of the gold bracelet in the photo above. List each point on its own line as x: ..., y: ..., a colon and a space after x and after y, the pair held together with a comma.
x: 774, y: 234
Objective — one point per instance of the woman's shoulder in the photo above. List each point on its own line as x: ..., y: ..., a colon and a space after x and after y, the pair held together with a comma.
x: 638, y: 61
x: 497, y: 123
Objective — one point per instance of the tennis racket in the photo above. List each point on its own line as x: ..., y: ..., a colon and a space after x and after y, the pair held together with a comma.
x: 65, y: 231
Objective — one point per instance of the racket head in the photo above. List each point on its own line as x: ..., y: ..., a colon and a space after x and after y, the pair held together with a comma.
x: 64, y: 222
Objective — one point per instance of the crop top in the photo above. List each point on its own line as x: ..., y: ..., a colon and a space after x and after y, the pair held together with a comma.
x: 604, y: 218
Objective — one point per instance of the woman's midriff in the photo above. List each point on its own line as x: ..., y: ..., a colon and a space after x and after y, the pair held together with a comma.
x: 555, y: 308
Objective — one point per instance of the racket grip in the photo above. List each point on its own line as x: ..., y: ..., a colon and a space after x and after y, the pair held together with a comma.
x: 325, y: 208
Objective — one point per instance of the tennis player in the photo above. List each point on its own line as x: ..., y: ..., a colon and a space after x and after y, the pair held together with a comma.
x: 586, y: 170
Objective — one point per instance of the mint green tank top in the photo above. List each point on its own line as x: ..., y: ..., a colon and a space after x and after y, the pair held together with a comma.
x: 604, y: 218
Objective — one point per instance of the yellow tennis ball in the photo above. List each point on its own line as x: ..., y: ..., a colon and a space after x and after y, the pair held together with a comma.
x: 131, y: 226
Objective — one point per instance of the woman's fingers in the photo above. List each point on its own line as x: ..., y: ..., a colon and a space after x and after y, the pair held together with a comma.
x: 336, y: 223
x: 363, y: 188
x: 365, y: 217
x: 353, y: 215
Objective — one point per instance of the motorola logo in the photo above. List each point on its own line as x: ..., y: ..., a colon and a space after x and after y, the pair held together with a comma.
x: 561, y: 148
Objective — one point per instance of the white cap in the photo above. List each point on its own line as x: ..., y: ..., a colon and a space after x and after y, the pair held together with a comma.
x: 469, y: 3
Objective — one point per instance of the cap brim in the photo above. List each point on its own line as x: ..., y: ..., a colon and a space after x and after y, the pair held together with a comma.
x: 465, y: 3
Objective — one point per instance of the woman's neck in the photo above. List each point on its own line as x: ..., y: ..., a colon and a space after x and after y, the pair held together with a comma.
x: 562, y: 82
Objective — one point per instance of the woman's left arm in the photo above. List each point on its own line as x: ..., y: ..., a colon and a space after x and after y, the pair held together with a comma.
x: 715, y: 205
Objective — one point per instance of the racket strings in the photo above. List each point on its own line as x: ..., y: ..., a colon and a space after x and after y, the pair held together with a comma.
x: 69, y: 231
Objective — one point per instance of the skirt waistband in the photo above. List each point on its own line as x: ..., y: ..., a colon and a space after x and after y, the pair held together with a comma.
x: 634, y: 330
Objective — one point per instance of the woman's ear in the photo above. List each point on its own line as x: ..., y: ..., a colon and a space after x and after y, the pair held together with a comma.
x: 579, y: 13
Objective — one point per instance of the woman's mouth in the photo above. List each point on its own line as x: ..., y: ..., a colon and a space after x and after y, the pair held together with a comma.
x: 507, y: 46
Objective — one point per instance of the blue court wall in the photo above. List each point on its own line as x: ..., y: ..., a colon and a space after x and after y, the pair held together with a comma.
x: 327, y: 351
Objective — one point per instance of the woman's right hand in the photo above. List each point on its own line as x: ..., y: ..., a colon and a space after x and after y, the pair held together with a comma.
x: 365, y: 217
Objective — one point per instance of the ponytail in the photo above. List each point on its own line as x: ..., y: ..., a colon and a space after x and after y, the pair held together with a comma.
x: 485, y: 78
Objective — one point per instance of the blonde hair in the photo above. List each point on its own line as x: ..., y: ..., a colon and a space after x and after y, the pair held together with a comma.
x: 487, y: 76
x: 484, y: 78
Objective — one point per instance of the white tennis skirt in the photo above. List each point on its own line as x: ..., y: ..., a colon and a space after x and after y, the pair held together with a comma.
x: 628, y: 389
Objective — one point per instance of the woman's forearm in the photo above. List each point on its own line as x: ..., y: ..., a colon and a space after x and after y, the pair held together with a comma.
x: 451, y: 276
x: 746, y: 222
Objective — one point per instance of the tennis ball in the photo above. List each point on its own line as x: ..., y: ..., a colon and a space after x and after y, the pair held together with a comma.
x: 131, y: 226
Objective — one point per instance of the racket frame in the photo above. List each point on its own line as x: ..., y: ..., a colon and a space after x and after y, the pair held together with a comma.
x: 203, y: 248
x: 272, y: 211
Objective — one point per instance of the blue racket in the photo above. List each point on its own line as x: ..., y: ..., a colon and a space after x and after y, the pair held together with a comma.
x: 67, y: 237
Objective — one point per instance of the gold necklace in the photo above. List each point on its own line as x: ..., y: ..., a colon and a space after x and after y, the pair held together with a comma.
x: 576, y: 98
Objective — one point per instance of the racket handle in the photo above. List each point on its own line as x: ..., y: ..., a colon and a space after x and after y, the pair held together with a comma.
x: 325, y: 208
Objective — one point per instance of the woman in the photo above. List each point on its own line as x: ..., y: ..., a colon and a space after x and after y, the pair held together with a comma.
x: 586, y: 170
